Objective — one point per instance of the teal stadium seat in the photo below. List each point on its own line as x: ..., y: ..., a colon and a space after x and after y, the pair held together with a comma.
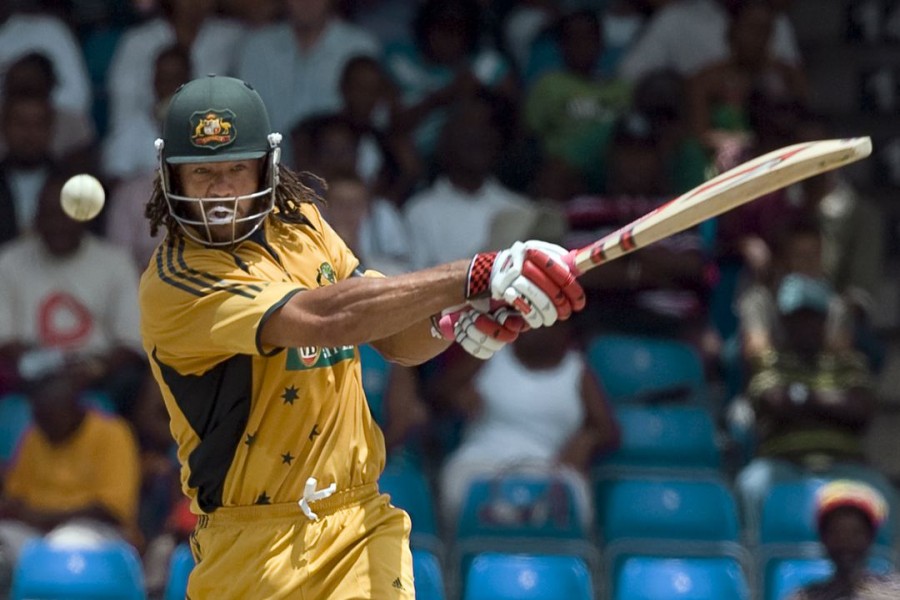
x: 679, y: 440
x: 428, y: 575
x: 521, y: 512
x: 647, y: 369
x: 408, y: 488
x: 495, y: 576
x: 180, y: 566
x: 111, y: 571
x: 668, y: 509
x: 664, y: 578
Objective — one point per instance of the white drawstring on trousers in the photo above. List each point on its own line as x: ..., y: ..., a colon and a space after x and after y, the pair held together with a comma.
x: 311, y: 494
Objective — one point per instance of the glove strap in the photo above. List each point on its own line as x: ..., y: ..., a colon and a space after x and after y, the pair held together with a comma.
x: 478, y: 280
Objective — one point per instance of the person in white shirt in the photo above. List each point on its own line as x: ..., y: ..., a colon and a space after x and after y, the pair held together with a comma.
x: 452, y: 218
x: 22, y: 33
x: 687, y: 35
x: 296, y: 64
x: 534, y: 405
x: 65, y: 291
x: 213, y: 41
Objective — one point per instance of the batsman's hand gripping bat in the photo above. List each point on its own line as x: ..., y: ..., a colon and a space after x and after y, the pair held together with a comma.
x: 737, y: 186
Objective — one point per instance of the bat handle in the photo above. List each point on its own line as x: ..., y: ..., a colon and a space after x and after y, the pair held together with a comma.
x: 569, y: 259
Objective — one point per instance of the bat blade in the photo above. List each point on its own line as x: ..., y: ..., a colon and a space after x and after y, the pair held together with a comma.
x: 737, y: 186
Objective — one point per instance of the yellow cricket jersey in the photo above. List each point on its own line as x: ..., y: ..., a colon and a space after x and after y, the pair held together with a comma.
x: 253, y: 423
x: 98, y: 465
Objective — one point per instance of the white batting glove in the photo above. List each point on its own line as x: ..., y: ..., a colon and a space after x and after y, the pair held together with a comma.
x: 480, y: 334
x: 533, y: 277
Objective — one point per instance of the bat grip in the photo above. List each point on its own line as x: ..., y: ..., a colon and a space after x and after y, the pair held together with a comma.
x: 569, y: 259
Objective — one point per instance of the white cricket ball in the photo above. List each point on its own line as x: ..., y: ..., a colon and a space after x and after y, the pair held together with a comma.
x: 82, y: 197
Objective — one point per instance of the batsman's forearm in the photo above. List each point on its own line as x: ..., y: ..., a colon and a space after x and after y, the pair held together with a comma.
x: 412, y: 346
x: 362, y: 309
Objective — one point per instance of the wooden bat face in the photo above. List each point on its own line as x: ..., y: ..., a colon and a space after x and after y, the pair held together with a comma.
x: 737, y: 186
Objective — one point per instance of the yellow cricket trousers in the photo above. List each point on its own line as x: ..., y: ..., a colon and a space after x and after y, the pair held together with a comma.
x: 357, y: 549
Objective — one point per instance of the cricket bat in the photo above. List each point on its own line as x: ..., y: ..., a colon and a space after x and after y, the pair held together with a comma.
x: 737, y: 186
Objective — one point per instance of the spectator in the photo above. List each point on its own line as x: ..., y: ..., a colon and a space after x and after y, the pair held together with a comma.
x: 848, y: 515
x: 660, y: 99
x: 534, y: 404
x: 23, y: 32
x: 26, y: 123
x: 447, y: 63
x: 451, y: 218
x: 76, y: 472
x: 213, y: 42
x: 33, y: 75
x: 812, y: 404
x: 798, y: 253
x: 570, y: 110
x: 720, y: 91
x: 387, y: 158
x: 128, y: 148
x: 661, y: 289
x: 703, y: 22
x: 64, y: 290
x: 531, y: 36
x: 253, y: 13
x: 296, y: 65
x: 391, y: 21
x: 329, y: 145
x: 373, y: 230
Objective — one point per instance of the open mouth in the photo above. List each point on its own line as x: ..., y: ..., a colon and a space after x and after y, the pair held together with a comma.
x: 220, y: 215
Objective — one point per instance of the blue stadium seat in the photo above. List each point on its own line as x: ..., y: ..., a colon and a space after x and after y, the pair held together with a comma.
x: 788, y: 514
x: 521, y: 505
x: 647, y: 369
x: 667, y: 438
x: 180, y: 566
x: 663, y: 578
x: 428, y: 575
x: 15, y: 417
x: 784, y: 576
x: 375, y: 376
x: 45, y: 571
x: 494, y: 576
x: 409, y: 490
x: 521, y: 512
x: 668, y: 509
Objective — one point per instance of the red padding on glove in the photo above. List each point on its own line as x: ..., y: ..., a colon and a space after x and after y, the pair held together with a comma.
x: 561, y: 276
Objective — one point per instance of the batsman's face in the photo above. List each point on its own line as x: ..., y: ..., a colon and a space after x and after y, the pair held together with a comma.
x: 225, y: 181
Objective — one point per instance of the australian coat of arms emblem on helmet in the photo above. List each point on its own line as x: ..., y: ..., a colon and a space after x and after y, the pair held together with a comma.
x: 212, y: 128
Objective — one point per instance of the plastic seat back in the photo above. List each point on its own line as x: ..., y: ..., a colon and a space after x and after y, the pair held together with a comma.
x: 647, y: 369
x: 677, y: 438
x: 663, y: 578
x: 110, y: 571
x: 495, y: 576
x: 428, y: 575
x: 180, y: 566
x: 668, y: 509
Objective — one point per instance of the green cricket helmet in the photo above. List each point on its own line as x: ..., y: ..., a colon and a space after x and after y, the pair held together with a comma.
x: 218, y: 119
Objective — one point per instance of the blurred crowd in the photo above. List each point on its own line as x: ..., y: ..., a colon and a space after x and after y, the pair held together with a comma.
x: 442, y: 128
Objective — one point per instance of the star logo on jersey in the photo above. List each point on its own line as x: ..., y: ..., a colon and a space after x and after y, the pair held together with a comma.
x: 326, y: 273
x: 290, y: 394
x: 212, y: 128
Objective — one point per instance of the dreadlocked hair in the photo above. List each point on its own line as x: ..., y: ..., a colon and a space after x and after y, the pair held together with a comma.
x: 293, y: 190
